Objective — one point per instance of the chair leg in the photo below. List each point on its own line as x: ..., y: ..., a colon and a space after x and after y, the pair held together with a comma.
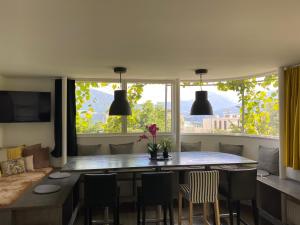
x: 179, y: 207
x: 144, y: 215
x: 115, y: 215
x: 217, y: 213
x: 213, y: 213
x: 230, y: 212
x: 255, y: 212
x: 190, y: 213
x: 138, y: 213
x: 165, y: 214
x: 171, y: 213
x: 238, y: 213
x: 87, y: 216
x: 205, y: 213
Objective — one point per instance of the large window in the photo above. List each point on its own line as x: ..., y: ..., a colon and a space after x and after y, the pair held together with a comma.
x: 247, y: 106
x: 150, y: 103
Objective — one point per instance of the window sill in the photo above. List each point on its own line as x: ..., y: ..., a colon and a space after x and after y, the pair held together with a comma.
x: 231, y: 135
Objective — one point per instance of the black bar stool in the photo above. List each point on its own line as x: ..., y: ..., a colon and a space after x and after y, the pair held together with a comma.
x: 156, y: 190
x: 101, y: 190
x: 238, y: 185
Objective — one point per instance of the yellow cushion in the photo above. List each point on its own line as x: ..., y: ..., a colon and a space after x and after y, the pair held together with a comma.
x: 14, y: 153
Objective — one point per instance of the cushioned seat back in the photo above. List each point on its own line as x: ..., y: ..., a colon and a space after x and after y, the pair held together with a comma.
x: 84, y: 150
x: 240, y: 184
x: 231, y: 149
x: 157, y: 188
x: 203, y: 186
x: 186, y: 146
x: 121, y: 148
x: 100, y: 190
x: 268, y: 159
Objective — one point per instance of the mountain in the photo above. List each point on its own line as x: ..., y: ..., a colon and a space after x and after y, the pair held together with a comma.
x: 101, y: 101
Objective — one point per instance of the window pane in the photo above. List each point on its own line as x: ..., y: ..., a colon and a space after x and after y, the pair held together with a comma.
x: 225, y: 106
x: 150, y: 103
x: 93, y: 100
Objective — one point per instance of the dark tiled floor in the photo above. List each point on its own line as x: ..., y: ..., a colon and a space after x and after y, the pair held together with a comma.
x: 128, y: 215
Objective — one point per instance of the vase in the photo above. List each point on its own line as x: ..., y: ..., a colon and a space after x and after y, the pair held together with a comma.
x: 153, y: 155
x: 165, y: 154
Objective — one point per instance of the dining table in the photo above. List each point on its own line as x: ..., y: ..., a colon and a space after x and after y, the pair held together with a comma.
x: 176, y: 160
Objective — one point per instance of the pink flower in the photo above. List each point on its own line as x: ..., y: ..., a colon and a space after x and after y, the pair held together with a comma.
x: 144, y: 136
x: 152, y: 129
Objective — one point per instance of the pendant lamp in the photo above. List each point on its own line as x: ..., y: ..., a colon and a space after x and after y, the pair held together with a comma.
x: 120, y: 105
x: 201, y: 105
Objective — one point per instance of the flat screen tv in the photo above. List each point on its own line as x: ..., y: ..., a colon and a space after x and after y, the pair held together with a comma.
x: 23, y: 106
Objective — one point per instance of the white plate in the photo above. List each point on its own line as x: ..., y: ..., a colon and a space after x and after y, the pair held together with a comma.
x: 59, y: 175
x: 46, y: 189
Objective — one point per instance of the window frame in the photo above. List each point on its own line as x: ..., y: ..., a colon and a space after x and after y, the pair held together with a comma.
x: 124, y: 118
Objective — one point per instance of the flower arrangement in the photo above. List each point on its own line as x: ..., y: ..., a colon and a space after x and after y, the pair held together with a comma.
x: 153, y: 147
x: 166, y: 145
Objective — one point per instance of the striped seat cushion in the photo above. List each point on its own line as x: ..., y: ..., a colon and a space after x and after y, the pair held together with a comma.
x: 202, y: 186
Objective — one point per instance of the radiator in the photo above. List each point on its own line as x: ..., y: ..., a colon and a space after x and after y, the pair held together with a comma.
x: 292, y: 212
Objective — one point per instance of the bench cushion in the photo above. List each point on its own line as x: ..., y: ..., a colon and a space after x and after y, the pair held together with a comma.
x: 13, y: 186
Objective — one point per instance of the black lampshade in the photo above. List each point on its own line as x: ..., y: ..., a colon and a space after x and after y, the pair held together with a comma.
x: 201, y: 105
x: 120, y: 105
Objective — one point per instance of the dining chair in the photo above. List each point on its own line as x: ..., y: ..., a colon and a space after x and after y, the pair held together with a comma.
x: 237, y: 185
x: 156, y: 190
x: 101, y: 190
x: 202, y: 188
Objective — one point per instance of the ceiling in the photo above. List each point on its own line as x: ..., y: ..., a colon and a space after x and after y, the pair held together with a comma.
x: 162, y: 39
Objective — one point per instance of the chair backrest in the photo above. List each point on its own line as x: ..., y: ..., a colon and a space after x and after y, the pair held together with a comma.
x: 242, y: 183
x: 157, y: 187
x: 203, y: 186
x: 100, y: 190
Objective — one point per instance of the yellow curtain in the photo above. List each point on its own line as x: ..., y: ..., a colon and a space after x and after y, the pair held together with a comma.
x: 291, y: 117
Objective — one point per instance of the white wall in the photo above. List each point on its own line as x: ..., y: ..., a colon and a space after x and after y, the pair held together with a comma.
x: 209, y: 142
x: 29, y: 133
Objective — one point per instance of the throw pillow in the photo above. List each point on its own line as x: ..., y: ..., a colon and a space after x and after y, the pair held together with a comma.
x: 32, y: 148
x: 89, y: 150
x: 186, y: 147
x: 231, y: 149
x: 268, y: 159
x: 41, y: 158
x: 11, y: 167
x: 14, y: 153
x: 121, y: 148
x: 29, y: 163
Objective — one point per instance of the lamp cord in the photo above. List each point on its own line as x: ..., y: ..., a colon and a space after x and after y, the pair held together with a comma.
x: 201, y: 82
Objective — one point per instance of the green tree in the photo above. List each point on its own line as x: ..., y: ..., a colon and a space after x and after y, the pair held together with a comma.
x: 259, y: 104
